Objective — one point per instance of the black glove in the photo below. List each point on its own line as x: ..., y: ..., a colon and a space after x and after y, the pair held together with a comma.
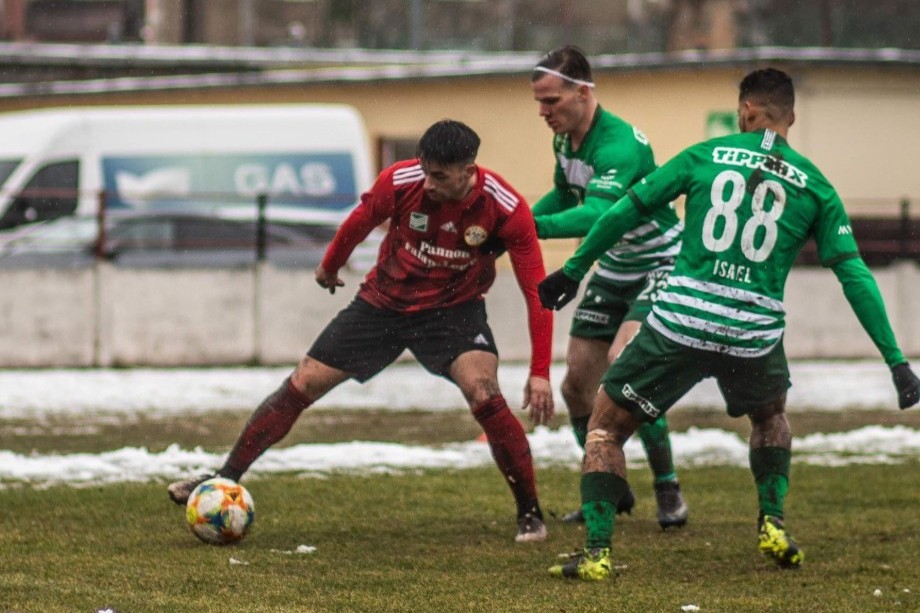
x: 907, y: 384
x: 557, y: 290
x: 493, y: 246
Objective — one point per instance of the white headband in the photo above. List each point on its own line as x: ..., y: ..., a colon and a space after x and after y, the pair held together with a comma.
x: 564, y: 77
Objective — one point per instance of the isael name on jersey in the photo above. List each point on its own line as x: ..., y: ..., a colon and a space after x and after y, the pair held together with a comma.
x: 735, y: 272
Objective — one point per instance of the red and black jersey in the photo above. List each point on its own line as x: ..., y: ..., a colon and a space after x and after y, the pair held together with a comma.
x: 430, y: 256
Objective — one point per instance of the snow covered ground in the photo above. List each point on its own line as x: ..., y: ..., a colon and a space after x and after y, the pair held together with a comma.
x: 825, y: 386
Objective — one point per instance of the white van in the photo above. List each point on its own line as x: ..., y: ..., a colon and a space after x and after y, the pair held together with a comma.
x: 311, y: 162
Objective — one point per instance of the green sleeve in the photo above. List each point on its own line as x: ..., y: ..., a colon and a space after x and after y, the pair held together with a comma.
x: 606, y: 232
x: 574, y: 222
x: 862, y: 293
x: 653, y: 192
x: 554, y: 201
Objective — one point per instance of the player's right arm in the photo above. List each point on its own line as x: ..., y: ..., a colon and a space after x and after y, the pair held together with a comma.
x: 556, y: 200
x: 615, y: 169
x: 376, y: 206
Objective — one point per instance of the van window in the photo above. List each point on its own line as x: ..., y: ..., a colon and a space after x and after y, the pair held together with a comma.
x: 6, y: 169
x: 49, y: 194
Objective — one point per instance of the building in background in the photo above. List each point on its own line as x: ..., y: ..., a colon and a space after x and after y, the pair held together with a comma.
x: 600, y: 26
x: 669, y: 66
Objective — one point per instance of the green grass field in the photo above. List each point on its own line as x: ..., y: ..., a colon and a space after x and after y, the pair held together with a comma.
x: 443, y: 540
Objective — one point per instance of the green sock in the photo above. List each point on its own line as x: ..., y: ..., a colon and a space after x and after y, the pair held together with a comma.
x: 580, y: 428
x: 657, y: 444
x: 770, y: 466
x: 600, y: 493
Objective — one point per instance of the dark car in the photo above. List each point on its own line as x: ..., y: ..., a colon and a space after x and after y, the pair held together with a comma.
x: 163, y: 240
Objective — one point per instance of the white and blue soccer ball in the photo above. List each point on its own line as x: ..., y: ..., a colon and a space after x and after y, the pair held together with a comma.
x: 220, y: 511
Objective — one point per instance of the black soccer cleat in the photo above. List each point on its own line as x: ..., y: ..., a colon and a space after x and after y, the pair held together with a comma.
x: 179, y: 491
x: 672, y: 510
x: 626, y: 504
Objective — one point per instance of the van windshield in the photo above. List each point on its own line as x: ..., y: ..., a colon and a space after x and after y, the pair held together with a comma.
x: 6, y: 169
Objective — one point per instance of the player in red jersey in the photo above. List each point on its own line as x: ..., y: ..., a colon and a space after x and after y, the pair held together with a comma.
x: 425, y: 294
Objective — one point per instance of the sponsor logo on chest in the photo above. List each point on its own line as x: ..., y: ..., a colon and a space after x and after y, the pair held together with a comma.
x: 418, y: 222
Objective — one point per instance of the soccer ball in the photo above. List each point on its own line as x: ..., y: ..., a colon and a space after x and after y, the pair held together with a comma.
x: 220, y: 511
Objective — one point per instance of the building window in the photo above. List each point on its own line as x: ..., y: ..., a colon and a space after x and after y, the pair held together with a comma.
x: 392, y: 150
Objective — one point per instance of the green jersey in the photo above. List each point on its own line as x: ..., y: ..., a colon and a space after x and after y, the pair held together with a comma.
x: 751, y: 203
x: 613, y: 156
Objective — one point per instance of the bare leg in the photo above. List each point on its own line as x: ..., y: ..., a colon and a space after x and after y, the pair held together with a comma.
x: 586, y: 361
x: 770, y: 456
x: 608, y: 430
x: 654, y: 436
x: 603, y: 479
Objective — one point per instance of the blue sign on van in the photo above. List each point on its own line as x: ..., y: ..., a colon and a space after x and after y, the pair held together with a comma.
x: 309, y: 180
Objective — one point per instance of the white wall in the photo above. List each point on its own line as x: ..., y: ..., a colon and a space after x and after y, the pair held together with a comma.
x: 109, y: 316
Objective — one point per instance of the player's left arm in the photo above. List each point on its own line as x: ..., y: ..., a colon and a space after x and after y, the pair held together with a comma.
x: 520, y: 237
x: 861, y: 291
x: 375, y: 207
x: 838, y: 251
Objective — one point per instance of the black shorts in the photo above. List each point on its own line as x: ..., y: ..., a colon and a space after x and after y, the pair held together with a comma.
x: 362, y: 339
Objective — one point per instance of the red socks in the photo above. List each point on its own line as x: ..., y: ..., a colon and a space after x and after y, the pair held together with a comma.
x: 270, y: 422
x: 511, y: 451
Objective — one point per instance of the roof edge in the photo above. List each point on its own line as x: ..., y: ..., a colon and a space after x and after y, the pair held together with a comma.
x: 388, y: 66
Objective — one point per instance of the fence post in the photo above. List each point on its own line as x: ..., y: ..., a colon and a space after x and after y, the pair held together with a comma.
x: 100, y: 225
x: 904, y: 238
x: 262, y: 201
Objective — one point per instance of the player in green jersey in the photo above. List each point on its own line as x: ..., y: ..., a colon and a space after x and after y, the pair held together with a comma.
x: 751, y: 203
x: 598, y: 156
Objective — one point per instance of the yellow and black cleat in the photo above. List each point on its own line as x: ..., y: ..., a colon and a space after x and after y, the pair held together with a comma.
x: 775, y: 542
x: 589, y: 565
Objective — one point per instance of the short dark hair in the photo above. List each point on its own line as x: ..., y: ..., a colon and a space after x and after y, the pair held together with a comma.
x: 568, y: 60
x: 770, y: 87
x: 448, y: 142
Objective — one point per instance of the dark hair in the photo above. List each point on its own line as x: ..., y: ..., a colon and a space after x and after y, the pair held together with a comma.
x: 770, y: 87
x: 448, y: 142
x: 569, y: 60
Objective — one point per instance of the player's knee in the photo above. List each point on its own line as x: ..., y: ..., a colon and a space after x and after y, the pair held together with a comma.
x: 598, y: 436
x: 613, y: 419
x: 769, y: 412
x: 479, y: 391
x: 577, y: 398
x: 770, y: 426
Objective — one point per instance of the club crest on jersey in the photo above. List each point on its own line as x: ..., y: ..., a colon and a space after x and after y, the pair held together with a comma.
x: 475, y: 236
x: 418, y: 221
